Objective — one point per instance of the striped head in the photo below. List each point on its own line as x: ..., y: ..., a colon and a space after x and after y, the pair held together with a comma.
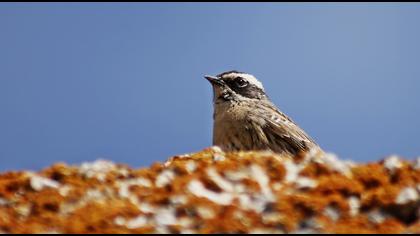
x: 234, y: 85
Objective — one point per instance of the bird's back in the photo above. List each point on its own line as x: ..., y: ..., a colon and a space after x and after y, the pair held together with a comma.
x: 258, y: 126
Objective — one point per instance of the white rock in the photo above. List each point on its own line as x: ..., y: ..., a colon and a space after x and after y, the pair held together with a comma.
x: 120, y: 221
x: 417, y: 163
x: 143, y: 182
x: 161, y: 229
x: 392, y: 163
x: 377, y: 216
x: 124, y: 191
x: 332, y: 161
x: 3, y: 202
x: 245, y: 201
x: 350, y: 163
x: 191, y: 166
x: 198, y: 189
x: 146, y: 207
x: 124, y: 186
x: 219, y: 180
x: 292, y: 171
x: 354, y: 204
x: 185, y: 222
x: 165, y: 216
x: 179, y: 199
x: 407, y: 195
x: 218, y: 155
x: 97, y: 169
x: 216, y: 149
x: 137, y: 222
x: 332, y: 212
x: 164, y: 178
x: 277, y: 186
x: 255, y: 202
x: 239, y: 188
x: 38, y: 183
x: 64, y: 190
x: 305, y: 182
x: 94, y: 194
x: 205, y: 212
x: 273, y: 217
x: 23, y: 209
x: 259, y: 175
x: 123, y: 172
x: 236, y: 175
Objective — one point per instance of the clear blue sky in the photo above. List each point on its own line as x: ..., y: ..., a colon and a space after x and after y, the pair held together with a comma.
x: 124, y: 81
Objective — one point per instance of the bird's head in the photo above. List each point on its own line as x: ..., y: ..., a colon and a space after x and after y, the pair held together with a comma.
x: 235, y: 86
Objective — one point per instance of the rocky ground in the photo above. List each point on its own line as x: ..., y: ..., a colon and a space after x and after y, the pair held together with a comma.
x: 215, y: 192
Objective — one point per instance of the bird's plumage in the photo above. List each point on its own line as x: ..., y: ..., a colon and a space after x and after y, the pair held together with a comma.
x: 245, y: 118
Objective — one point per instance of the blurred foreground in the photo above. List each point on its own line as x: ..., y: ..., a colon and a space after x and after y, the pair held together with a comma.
x: 216, y: 192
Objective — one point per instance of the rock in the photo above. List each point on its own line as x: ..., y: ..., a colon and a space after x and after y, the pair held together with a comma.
x: 216, y: 192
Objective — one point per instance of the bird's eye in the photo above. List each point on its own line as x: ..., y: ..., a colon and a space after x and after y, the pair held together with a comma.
x: 241, y: 83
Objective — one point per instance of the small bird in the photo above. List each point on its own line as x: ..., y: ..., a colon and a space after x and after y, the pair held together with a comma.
x: 245, y: 118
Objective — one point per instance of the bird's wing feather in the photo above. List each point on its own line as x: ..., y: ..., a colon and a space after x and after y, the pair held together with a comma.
x: 284, y: 133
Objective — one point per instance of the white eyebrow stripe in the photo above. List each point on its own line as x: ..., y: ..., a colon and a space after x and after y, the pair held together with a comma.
x: 251, y: 79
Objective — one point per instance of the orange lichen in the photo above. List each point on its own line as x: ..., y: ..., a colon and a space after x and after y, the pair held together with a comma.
x: 215, y: 192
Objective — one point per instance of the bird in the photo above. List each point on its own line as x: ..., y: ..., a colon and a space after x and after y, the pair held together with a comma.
x: 245, y: 119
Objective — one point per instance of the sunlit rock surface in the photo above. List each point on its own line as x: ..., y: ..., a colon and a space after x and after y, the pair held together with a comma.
x: 216, y: 192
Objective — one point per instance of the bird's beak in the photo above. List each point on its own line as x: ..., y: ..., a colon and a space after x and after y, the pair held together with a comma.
x: 214, y: 80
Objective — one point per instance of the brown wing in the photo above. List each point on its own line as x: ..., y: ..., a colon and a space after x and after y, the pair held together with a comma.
x: 283, y: 134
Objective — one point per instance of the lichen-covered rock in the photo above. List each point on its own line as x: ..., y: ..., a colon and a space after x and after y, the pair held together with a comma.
x: 216, y: 192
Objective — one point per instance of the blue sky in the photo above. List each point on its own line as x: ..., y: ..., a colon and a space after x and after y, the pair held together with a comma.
x: 123, y: 81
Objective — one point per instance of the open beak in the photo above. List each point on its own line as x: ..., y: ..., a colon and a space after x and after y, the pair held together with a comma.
x: 213, y: 80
